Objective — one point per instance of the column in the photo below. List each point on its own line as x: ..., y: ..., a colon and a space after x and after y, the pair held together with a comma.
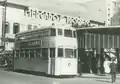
x: 29, y: 53
x: 118, y: 61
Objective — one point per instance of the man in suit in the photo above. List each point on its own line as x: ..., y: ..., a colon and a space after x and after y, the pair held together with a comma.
x: 113, y: 67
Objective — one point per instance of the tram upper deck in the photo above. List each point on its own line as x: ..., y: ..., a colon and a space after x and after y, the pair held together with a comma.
x: 55, y: 36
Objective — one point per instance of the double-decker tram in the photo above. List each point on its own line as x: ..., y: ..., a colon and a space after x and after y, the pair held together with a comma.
x: 52, y: 50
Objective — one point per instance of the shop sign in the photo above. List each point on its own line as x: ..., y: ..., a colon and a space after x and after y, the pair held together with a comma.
x: 38, y: 14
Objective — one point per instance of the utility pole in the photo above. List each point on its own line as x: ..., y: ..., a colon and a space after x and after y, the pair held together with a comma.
x: 4, y: 24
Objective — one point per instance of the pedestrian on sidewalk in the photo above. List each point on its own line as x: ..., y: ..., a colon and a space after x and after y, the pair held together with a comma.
x: 79, y: 66
x: 106, y: 66
x: 113, y: 67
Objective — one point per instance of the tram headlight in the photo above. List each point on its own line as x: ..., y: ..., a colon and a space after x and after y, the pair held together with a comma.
x: 69, y: 64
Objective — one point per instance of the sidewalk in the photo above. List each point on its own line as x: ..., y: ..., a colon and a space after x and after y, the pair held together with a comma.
x: 90, y: 75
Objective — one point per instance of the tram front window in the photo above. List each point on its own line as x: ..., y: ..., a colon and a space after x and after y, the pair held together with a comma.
x: 60, y: 52
x: 74, y: 34
x: 52, y: 52
x: 69, y: 53
x: 59, y: 31
x: 53, y: 32
x: 68, y: 33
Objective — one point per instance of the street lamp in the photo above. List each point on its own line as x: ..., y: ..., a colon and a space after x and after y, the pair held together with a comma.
x: 4, y: 24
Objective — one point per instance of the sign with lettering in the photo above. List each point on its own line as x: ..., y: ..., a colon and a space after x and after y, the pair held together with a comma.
x: 38, y: 14
x: 30, y: 44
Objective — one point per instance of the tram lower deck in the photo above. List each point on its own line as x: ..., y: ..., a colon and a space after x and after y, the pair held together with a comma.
x: 52, y: 66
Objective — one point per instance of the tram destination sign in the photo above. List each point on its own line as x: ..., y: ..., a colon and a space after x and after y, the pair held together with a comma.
x: 39, y: 14
x: 30, y: 44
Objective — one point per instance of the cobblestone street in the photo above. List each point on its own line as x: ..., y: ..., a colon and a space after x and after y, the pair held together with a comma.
x: 8, y: 77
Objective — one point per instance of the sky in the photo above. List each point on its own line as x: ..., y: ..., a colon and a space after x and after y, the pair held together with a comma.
x: 86, y: 9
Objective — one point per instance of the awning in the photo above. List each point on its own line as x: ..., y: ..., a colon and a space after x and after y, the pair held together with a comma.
x: 101, y: 30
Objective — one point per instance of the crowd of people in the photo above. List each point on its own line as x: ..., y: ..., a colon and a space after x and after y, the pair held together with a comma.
x: 97, y: 65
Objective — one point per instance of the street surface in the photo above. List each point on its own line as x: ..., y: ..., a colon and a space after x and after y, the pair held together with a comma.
x: 8, y: 77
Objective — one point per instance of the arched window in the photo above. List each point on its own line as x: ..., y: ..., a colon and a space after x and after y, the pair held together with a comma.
x: 16, y: 28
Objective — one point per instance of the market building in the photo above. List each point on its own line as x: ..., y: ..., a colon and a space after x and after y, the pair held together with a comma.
x: 22, y: 18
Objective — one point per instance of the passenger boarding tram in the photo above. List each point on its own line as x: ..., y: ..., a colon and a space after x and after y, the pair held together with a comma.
x: 52, y: 50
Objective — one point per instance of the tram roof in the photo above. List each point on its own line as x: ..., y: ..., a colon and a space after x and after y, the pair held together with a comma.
x: 101, y: 30
x: 48, y: 27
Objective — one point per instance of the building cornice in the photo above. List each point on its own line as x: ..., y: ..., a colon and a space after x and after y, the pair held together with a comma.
x: 13, y: 5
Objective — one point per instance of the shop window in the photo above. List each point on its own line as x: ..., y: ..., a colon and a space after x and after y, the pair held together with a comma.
x: 16, y: 28
x: 45, y: 54
x: 52, y: 52
x: 53, y: 32
x: 29, y: 27
x: 35, y: 27
x: 59, y: 31
x: 68, y: 33
x: 60, y: 52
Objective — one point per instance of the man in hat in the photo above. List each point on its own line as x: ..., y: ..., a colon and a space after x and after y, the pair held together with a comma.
x: 113, y: 67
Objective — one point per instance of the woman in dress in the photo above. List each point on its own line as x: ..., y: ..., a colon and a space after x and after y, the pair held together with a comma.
x: 106, y: 66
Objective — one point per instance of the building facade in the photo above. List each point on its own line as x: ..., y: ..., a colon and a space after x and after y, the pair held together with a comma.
x: 22, y: 18
x: 112, y: 12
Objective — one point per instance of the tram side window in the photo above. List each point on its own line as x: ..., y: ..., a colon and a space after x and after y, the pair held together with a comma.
x: 53, y: 32
x: 59, y: 31
x: 26, y: 54
x: 46, y: 33
x: 60, y: 52
x: 52, y: 52
x: 68, y: 33
x: 38, y: 53
x: 17, y: 53
x: 69, y: 53
x: 45, y: 54
x: 21, y: 54
x: 40, y: 34
x: 32, y: 54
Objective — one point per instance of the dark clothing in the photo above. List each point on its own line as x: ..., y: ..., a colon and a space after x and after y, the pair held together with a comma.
x: 113, y: 76
x: 113, y: 68
x: 79, y: 67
